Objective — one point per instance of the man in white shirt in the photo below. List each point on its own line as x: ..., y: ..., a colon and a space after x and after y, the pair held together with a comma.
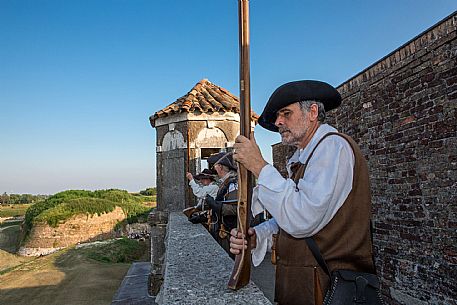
x: 309, y: 203
x: 206, y: 186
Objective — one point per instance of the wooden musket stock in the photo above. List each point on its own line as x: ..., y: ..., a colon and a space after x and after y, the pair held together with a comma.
x: 242, y: 269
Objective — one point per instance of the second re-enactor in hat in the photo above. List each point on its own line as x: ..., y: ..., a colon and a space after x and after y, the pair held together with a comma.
x: 206, y: 185
x: 223, y: 208
x: 327, y: 195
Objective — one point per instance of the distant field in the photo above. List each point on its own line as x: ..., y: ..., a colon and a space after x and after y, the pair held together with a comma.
x: 151, y: 204
x: 150, y: 201
x: 13, y: 210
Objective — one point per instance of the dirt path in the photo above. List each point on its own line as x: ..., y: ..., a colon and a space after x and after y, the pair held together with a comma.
x: 65, y: 277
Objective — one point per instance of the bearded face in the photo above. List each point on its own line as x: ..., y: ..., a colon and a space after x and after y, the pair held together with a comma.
x: 293, y: 124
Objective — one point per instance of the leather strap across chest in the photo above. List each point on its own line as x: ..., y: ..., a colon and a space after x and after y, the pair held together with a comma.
x: 298, y: 168
x: 345, y: 241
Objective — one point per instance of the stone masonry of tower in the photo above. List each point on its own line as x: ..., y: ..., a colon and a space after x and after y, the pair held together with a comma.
x: 202, y: 122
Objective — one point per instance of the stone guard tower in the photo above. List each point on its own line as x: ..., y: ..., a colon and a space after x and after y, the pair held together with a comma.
x: 202, y: 122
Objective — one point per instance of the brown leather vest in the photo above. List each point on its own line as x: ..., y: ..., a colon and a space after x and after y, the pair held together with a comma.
x: 345, y: 242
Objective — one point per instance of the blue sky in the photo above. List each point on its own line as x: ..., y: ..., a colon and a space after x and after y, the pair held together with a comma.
x: 79, y: 79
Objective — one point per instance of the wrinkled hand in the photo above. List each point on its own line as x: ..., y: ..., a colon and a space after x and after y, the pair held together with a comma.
x: 247, y: 152
x: 237, y: 240
x: 189, y: 176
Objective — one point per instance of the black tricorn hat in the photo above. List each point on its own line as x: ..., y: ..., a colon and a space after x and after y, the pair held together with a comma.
x: 302, y: 90
x: 205, y: 174
x: 223, y: 159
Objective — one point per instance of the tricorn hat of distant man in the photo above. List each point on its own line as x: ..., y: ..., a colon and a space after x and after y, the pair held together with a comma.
x: 223, y: 159
x: 302, y: 90
x: 205, y: 174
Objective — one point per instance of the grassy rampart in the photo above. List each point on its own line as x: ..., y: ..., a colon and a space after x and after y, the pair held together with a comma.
x: 61, y: 206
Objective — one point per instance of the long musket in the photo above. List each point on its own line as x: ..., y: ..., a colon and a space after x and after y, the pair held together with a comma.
x: 242, y: 269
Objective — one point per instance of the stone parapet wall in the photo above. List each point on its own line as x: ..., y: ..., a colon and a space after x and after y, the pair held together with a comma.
x: 79, y: 228
x: 158, y: 223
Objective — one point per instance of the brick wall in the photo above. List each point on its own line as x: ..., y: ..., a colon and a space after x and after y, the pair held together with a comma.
x: 281, y: 153
x: 402, y: 112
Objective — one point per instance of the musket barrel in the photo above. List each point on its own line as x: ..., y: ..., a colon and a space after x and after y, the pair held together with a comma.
x: 245, y: 78
x: 242, y: 269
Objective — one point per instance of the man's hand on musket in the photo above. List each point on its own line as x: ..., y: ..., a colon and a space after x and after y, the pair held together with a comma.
x: 189, y: 176
x: 247, y: 152
x: 237, y: 240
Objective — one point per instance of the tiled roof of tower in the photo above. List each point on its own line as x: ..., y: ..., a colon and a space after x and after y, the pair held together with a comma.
x: 204, y: 97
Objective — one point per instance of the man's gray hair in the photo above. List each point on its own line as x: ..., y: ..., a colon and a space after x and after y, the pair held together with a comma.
x: 225, y: 168
x: 306, y: 106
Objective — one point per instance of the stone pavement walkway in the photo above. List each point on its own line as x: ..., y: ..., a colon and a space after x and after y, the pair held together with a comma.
x: 134, y: 287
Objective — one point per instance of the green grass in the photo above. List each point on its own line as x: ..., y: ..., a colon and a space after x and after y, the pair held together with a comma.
x: 61, y: 206
x: 122, y: 250
x: 144, y: 198
x: 65, y: 210
x: 13, y: 210
x: 149, y: 200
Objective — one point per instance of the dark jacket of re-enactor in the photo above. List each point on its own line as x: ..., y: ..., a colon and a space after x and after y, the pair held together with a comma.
x: 223, y: 192
x: 345, y: 242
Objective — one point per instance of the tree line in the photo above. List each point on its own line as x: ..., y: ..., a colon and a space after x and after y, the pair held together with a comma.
x: 21, y: 198
x: 151, y: 191
x: 29, y: 198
